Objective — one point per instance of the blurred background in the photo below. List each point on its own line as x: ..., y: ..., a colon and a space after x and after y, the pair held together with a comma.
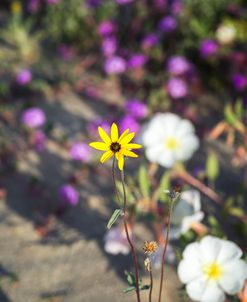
x: 69, y: 66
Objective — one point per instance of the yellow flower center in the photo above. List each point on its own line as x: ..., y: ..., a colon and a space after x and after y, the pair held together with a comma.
x: 115, y: 147
x: 213, y: 271
x: 171, y: 143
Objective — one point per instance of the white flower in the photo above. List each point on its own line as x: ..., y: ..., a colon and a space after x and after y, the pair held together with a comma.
x: 168, y: 139
x: 225, y: 34
x: 186, y: 212
x: 116, y: 242
x: 212, y: 268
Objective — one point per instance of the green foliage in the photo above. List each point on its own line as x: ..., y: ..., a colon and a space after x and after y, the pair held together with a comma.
x: 164, y: 185
x: 114, y: 218
x: 132, y: 283
x: 144, y: 181
x: 212, y: 167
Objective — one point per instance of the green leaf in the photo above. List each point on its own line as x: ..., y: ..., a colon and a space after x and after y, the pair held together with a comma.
x: 129, y: 289
x: 212, y: 166
x: 130, y: 278
x: 114, y: 218
x: 234, y: 211
x: 164, y: 185
x: 144, y: 181
x: 145, y: 287
x: 229, y: 115
x: 239, y: 109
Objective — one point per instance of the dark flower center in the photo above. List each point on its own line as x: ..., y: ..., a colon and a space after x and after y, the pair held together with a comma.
x: 115, y: 147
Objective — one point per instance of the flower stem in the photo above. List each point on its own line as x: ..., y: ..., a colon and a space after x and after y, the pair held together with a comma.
x: 129, y: 240
x: 164, y: 251
x: 151, y: 284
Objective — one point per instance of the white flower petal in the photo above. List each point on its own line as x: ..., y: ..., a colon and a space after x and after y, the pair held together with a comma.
x: 229, y: 251
x: 189, y: 270
x: 185, y: 128
x: 188, y: 221
x: 187, y: 147
x: 192, y: 251
x: 204, y: 291
x: 193, y: 197
x: 154, y: 152
x: 234, y: 275
x: 166, y: 159
x: 210, y: 247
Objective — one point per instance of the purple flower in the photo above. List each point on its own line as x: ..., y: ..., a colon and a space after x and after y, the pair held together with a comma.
x: 176, y: 7
x: 68, y: 195
x: 92, y: 127
x: 239, y: 81
x: 39, y: 140
x: 168, y: 24
x: 178, y: 65
x: 24, y: 77
x: 94, y: 3
x: 65, y: 52
x: 80, y: 151
x: 136, y: 109
x: 137, y: 61
x: 109, y: 46
x: 106, y: 28
x: 50, y: 2
x: 33, y: 6
x: 208, y: 48
x: 115, y: 65
x: 177, y: 88
x: 116, y: 241
x: 150, y: 41
x: 122, y: 2
x: 33, y: 117
x: 129, y: 122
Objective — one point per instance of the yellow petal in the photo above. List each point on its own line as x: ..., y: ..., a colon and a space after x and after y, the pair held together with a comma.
x: 104, y: 136
x: 121, y: 162
x: 106, y: 156
x: 127, y: 138
x: 124, y: 134
x: 129, y: 153
x: 114, y: 132
x: 99, y: 146
x: 131, y: 146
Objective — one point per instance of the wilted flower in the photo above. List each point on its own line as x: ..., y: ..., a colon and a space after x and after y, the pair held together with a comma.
x: 80, y: 151
x: 68, y: 195
x: 208, y: 48
x: 239, y: 81
x: 115, y: 65
x: 168, y: 24
x: 169, y: 139
x: 150, y: 41
x: 106, y: 28
x: 177, y: 88
x: 33, y: 117
x: 129, y: 122
x: 109, y: 46
x: 136, y: 108
x: 212, y: 267
x: 116, y: 241
x: 118, y: 146
x: 226, y: 34
x: 178, y: 65
x: 39, y: 140
x: 186, y: 212
x: 150, y: 247
x: 136, y: 61
x: 24, y: 77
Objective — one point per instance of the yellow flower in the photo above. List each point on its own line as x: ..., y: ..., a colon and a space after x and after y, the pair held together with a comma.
x: 150, y: 247
x: 115, y: 145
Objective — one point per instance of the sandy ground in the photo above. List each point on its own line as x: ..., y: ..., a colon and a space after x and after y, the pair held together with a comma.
x: 69, y: 264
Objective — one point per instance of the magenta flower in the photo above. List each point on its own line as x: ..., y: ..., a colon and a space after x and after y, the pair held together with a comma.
x: 80, y: 151
x: 168, y: 24
x: 94, y: 3
x: 128, y: 122
x: 24, y: 77
x: 106, y: 28
x: 137, y: 61
x: 177, y: 88
x: 39, y: 140
x: 208, y: 48
x: 68, y: 195
x: 33, y: 6
x: 178, y: 65
x: 136, y: 109
x: 150, y: 41
x: 122, y: 2
x: 115, y: 65
x: 239, y: 81
x: 109, y: 46
x: 33, y: 117
x: 65, y: 52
